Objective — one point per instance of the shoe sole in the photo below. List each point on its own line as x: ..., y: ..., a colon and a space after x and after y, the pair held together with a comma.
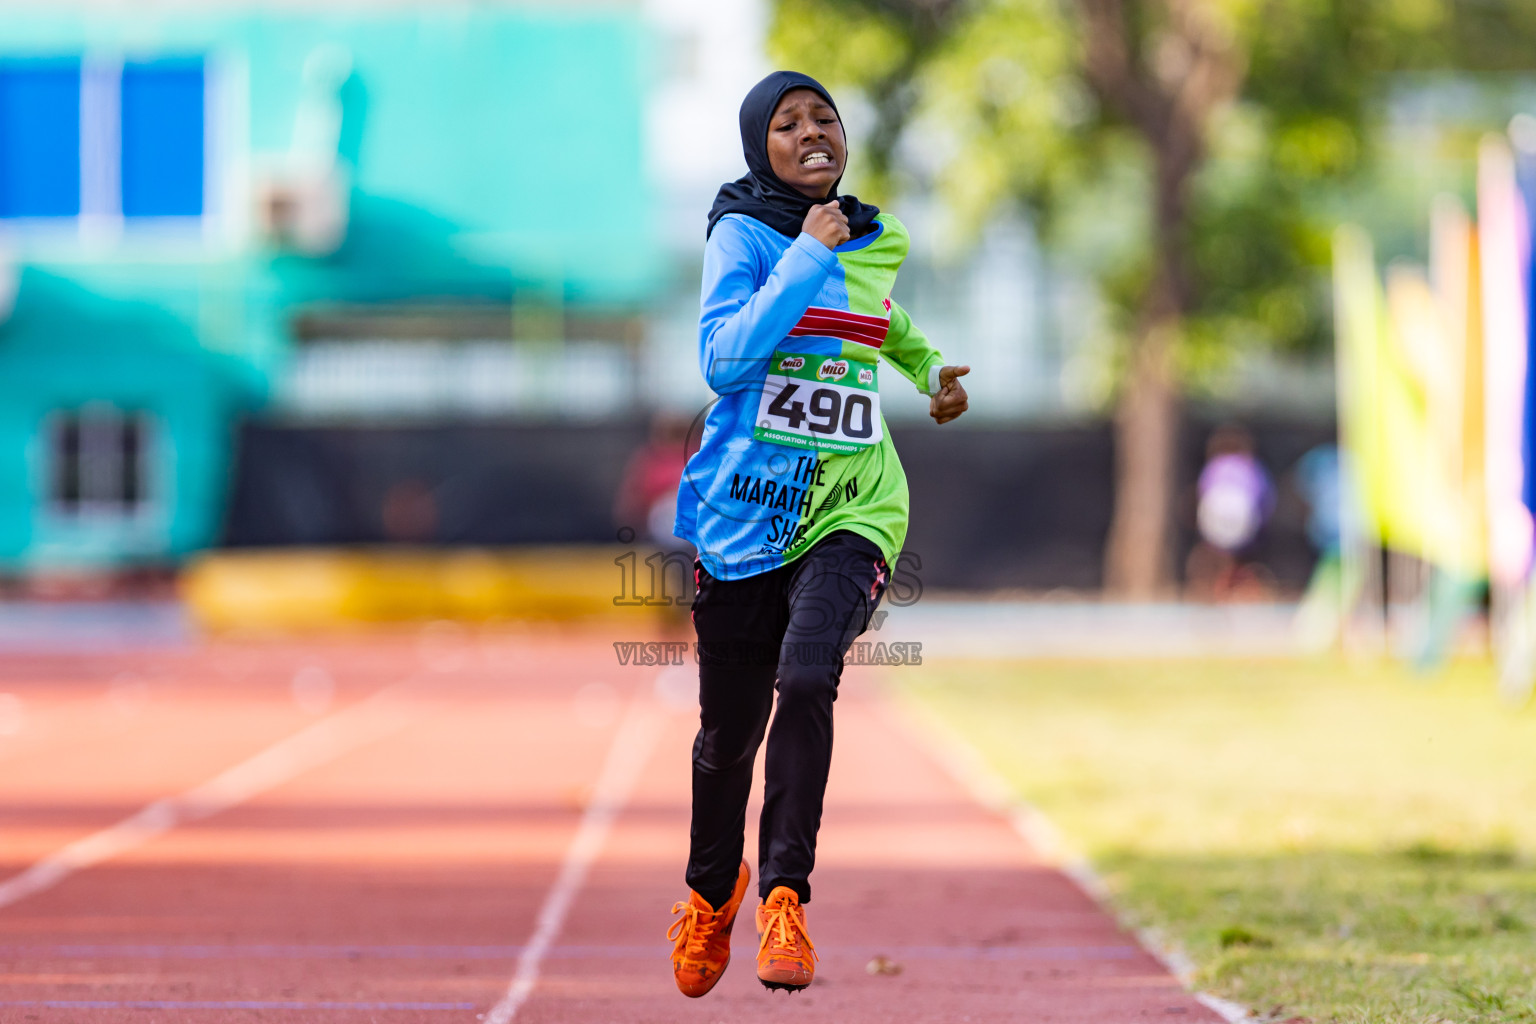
x: 784, y: 985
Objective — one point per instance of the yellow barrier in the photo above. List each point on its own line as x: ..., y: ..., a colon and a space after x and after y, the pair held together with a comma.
x: 316, y: 588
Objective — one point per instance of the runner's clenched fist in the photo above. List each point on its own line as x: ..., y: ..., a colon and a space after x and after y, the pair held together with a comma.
x: 827, y: 224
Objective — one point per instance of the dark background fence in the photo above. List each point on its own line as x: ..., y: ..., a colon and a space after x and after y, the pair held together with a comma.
x: 991, y: 508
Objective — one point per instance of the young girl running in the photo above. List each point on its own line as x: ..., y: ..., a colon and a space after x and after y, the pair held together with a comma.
x: 796, y: 503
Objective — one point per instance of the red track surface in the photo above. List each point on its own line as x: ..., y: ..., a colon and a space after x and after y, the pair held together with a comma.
x: 402, y: 878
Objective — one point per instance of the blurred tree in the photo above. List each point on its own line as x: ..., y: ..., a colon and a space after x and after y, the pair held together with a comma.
x: 1188, y: 155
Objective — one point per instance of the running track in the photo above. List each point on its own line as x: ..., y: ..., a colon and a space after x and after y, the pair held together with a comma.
x: 445, y: 826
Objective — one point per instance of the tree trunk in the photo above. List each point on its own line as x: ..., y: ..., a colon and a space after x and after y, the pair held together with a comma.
x: 1137, y: 559
x: 1169, y: 104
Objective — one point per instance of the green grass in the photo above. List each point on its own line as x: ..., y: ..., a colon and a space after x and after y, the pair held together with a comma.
x: 1324, y: 841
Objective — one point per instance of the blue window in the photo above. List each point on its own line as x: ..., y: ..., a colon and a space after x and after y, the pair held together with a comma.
x: 40, y: 138
x: 162, y: 139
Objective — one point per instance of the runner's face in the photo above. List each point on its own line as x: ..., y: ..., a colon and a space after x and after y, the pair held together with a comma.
x: 806, y: 148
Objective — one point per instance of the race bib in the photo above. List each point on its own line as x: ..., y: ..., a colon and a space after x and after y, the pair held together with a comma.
x: 824, y: 402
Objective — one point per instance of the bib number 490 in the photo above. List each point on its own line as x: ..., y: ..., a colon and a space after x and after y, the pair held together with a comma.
x: 819, y: 402
x: 828, y: 410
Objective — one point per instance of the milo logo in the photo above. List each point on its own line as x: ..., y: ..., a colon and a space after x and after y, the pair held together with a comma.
x: 835, y: 369
x: 866, y: 376
x: 791, y: 362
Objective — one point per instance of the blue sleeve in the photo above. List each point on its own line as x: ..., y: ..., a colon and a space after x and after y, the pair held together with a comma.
x: 739, y: 323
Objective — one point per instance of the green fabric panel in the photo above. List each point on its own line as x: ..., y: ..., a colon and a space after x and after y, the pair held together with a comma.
x: 871, y: 271
x: 864, y: 493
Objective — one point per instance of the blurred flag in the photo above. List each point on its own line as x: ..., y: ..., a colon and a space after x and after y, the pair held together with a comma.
x: 1411, y: 386
x: 1457, y: 417
x: 1503, y: 237
x: 1516, y: 628
x: 1358, y: 324
x: 1385, y: 433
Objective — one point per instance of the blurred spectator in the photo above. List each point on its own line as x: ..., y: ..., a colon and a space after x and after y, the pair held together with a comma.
x: 1235, y: 499
x: 1320, y: 616
x: 1317, y: 477
x: 647, y: 499
x: 409, y: 513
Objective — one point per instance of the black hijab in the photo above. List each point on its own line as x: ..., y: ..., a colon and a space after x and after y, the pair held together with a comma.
x: 761, y: 194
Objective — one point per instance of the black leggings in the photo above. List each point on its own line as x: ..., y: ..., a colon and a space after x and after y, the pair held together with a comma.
x: 792, y: 624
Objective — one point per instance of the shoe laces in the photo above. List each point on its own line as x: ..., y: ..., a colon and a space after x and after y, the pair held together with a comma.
x: 783, y: 927
x: 691, y: 932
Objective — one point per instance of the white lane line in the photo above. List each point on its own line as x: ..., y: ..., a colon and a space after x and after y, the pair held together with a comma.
x: 964, y: 764
x: 370, y: 719
x: 627, y: 756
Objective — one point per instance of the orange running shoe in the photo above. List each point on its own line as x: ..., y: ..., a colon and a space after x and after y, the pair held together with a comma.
x: 785, y: 957
x: 703, y: 938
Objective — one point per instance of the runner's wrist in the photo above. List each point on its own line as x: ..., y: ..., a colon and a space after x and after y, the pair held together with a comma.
x: 816, y: 249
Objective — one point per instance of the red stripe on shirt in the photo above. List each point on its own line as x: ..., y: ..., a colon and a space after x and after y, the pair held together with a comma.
x: 810, y: 320
x: 843, y: 314
x: 827, y: 332
x: 819, y: 321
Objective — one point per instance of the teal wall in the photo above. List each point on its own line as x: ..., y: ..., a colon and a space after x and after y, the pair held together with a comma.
x: 65, y: 348
x: 536, y: 119
x: 500, y: 143
x: 495, y: 156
